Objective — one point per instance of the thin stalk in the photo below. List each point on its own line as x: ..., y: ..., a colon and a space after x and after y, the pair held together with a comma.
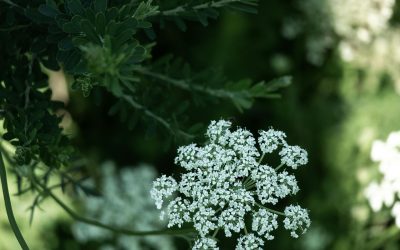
x: 12, y: 3
x: 261, y: 158
x: 182, y: 84
x: 211, y: 4
x: 279, y: 167
x: 76, y: 216
x: 271, y: 210
x: 154, y: 116
x: 247, y: 181
x: 245, y: 230
x: 215, y: 233
x: 9, y: 210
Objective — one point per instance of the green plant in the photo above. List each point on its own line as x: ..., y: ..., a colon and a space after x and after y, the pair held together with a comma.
x: 104, y: 46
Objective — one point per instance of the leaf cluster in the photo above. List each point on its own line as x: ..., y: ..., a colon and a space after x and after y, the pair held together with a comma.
x: 107, y: 46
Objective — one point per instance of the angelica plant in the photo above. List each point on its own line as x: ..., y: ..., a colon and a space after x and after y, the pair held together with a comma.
x: 227, y: 180
x: 103, y: 47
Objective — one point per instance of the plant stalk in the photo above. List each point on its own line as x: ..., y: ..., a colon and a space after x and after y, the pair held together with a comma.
x: 9, y: 210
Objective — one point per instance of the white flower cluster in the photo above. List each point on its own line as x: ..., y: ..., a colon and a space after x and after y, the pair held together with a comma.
x: 226, y: 181
x: 296, y: 220
x: 352, y: 23
x: 385, y: 193
x: 123, y: 203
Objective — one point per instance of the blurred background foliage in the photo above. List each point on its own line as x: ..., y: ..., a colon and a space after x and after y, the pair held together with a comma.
x: 344, y: 57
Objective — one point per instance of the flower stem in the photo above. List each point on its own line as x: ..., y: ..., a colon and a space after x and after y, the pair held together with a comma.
x: 76, y: 216
x: 271, y: 210
x: 9, y: 210
x: 280, y: 166
x: 215, y: 232
x: 261, y: 158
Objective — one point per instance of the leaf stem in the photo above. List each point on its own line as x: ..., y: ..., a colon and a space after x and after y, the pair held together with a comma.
x: 152, y: 115
x: 9, y: 210
x: 185, y: 85
x: 211, y: 4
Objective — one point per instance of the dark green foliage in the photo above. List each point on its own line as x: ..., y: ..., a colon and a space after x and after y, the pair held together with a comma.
x: 99, y: 45
x: 28, y: 114
x: 106, y: 46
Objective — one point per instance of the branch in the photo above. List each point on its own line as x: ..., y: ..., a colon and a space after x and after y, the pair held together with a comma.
x: 12, y: 3
x: 211, y: 4
x: 152, y: 115
x: 220, y: 93
x: 46, y: 191
x: 9, y: 210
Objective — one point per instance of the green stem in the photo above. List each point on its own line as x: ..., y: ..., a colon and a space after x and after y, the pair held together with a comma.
x: 9, y: 210
x: 12, y: 3
x: 183, y: 84
x: 262, y: 157
x: 215, y: 232
x: 271, y: 210
x: 211, y: 4
x: 279, y: 167
x: 152, y: 115
x: 76, y: 216
x: 245, y: 230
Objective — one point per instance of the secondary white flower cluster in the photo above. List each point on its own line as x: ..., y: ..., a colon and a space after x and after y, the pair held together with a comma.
x: 124, y: 203
x: 388, y: 189
x: 228, y: 180
x: 352, y: 24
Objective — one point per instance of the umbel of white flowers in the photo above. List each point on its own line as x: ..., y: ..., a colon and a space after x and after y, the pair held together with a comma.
x: 226, y: 181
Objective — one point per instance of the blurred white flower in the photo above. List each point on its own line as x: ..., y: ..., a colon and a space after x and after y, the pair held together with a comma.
x: 124, y: 202
x: 226, y: 180
x: 354, y: 25
x: 388, y: 189
x: 396, y: 213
